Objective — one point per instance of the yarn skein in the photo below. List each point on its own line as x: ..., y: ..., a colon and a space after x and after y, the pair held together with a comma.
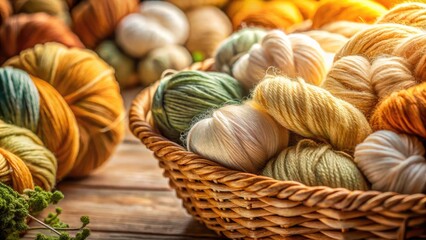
x: 156, y: 25
x: 24, y: 31
x: 208, y: 27
x: 31, y: 103
x: 379, y: 39
x: 14, y: 172
x: 312, y: 112
x: 88, y: 86
x: 5, y: 11
x: 186, y: 5
x: 364, y: 83
x: 173, y: 57
x: 56, y: 8
x: 235, y: 46
x: 316, y: 164
x: 295, y: 55
x: 348, y: 10
x: 95, y: 20
x: 240, y: 137
x: 123, y: 65
x: 187, y: 94
x: 24, y: 146
x: 270, y: 14
x: 344, y: 28
x: 410, y: 14
x: 393, y: 162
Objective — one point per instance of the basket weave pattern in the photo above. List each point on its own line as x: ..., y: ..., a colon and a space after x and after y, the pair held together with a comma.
x: 246, y: 206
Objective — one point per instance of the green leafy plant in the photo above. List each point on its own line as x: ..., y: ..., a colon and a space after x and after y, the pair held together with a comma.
x: 16, y: 209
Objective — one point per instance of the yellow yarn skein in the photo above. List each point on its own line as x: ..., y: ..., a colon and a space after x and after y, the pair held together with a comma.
x: 316, y: 164
x: 349, y: 10
x: 312, y: 112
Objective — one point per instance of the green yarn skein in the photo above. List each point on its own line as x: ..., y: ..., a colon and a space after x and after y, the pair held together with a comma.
x: 19, y: 99
x: 124, y: 66
x: 238, y: 44
x: 183, y: 96
x: 28, y: 147
x: 316, y: 164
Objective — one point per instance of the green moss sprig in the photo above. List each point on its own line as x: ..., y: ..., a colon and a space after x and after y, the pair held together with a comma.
x: 16, y: 208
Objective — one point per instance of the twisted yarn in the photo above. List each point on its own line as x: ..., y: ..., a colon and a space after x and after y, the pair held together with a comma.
x: 240, y: 137
x: 295, y: 55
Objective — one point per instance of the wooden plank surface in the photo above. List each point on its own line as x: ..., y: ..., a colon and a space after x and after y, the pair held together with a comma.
x: 128, y: 198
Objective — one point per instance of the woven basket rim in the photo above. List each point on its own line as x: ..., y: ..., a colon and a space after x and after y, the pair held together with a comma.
x: 264, y: 186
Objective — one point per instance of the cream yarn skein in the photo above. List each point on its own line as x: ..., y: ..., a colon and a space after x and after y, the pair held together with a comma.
x: 158, y: 24
x: 240, y: 137
x: 295, y: 55
x: 393, y: 162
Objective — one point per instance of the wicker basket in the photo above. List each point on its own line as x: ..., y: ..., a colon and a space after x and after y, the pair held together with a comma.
x: 240, y: 205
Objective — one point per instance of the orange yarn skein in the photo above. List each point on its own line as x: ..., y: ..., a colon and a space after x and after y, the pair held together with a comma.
x: 24, y: 31
x: 94, y: 20
x: 271, y: 14
x: 347, y: 10
x: 88, y: 86
x: 405, y: 111
x: 5, y: 10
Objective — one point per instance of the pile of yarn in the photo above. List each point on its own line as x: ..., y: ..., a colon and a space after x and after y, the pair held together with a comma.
x: 344, y: 113
x: 139, y: 41
x: 61, y: 115
x: 142, y: 40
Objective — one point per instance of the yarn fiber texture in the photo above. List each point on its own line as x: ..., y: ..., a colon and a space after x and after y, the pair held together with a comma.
x: 316, y: 164
x: 235, y: 46
x: 393, y: 162
x: 348, y: 10
x: 379, y: 39
x: 240, y: 137
x: 312, y: 112
x: 410, y: 14
x: 158, y: 60
x: 24, y: 31
x: 95, y: 20
x: 364, y: 83
x: 208, y: 27
x: 156, y: 25
x: 87, y: 85
x: 295, y: 55
x: 185, y: 95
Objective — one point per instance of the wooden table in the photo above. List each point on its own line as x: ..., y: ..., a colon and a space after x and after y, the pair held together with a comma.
x: 128, y: 198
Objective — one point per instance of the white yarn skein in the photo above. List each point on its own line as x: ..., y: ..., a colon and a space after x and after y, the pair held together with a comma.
x: 393, y: 162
